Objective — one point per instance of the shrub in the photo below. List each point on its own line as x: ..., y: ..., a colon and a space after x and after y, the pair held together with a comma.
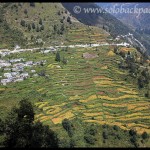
x: 1, y: 126
x: 32, y: 4
x: 40, y: 21
x: 33, y: 26
x: 37, y: 29
x: 105, y: 135
x: 145, y: 135
x: 25, y: 11
x: 42, y: 27
x: 90, y: 139
x: 57, y: 57
x: 29, y: 27
x: 23, y: 23
x: 92, y: 130
x: 67, y: 125
x: 115, y: 127
x: 132, y: 132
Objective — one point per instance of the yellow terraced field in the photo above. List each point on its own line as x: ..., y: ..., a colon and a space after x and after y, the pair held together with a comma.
x: 126, y: 91
x: 125, y: 49
x: 111, y: 53
x: 59, y: 119
x: 101, y: 82
x: 139, y: 105
x: 114, y: 105
x: 104, y: 67
x: 109, y: 123
x: 93, y: 114
x: 53, y: 111
x: 92, y: 97
x: 117, y: 98
x: 75, y: 97
x: 44, y: 118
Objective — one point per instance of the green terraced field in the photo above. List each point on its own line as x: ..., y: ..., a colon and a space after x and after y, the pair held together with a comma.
x: 81, y: 89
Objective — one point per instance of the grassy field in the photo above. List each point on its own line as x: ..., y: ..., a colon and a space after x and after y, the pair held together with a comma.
x: 90, y: 89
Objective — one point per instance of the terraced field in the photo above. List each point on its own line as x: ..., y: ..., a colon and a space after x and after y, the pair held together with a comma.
x: 90, y: 89
x: 86, y: 35
x: 93, y: 90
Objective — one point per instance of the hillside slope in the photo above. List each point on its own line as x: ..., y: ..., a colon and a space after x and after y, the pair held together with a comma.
x: 105, y: 20
x: 139, y: 22
x: 39, y: 23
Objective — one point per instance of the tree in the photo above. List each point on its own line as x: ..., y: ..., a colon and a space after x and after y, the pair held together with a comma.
x: 42, y: 73
x: 68, y: 126
x: 59, y: 13
x: 61, y: 20
x: 42, y: 136
x: 25, y: 11
x: 62, y: 28
x: 40, y: 21
x: 55, y: 27
x: 42, y: 27
x: 141, y: 81
x: 32, y: 4
x: 115, y: 127
x: 1, y: 126
x: 33, y: 26
x: 64, y: 61
x: 22, y: 131
x: 37, y: 29
x: 105, y: 135
x: 66, y: 11
x: 145, y: 135
x: 23, y: 23
x: 133, y: 140
x: 90, y: 139
x: 69, y: 20
x: 132, y: 132
x: 115, y: 50
x: 57, y: 57
x: 29, y: 27
x: 25, y: 110
x: 92, y: 130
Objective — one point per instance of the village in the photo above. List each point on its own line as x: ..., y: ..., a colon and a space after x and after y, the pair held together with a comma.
x: 13, y: 70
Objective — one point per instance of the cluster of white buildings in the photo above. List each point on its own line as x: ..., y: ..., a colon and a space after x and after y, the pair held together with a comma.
x: 14, y: 70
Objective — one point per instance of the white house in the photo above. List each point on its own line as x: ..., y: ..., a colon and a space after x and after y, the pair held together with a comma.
x: 7, y: 75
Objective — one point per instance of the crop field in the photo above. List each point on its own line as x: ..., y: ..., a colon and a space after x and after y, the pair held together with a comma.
x: 90, y: 89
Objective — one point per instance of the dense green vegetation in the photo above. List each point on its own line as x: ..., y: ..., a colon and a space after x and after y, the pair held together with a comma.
x: 138, y: 68
x: 26, y: 25
x: 20, y: 130
x: 9, y: 36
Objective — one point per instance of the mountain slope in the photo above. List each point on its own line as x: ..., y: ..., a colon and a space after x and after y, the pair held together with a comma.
x: 139, y: 22
x: 106, y: 20
x: 44, y: 22
x: 102, y: 19
x: 134, y: 20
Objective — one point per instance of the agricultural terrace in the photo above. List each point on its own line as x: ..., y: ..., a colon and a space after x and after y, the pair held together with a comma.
x: 90, y: 89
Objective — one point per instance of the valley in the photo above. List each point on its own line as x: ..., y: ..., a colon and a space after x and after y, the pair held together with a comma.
x: 88, y: 87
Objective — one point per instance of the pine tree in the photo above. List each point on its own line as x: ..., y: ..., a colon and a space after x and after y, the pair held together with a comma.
x: 40, y: 21
x: 29, y: 27
x: 37, y: 29
x: 33, y: 26
x: 57, y: 57
x: 25, y: 11
x: 23, y: 23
